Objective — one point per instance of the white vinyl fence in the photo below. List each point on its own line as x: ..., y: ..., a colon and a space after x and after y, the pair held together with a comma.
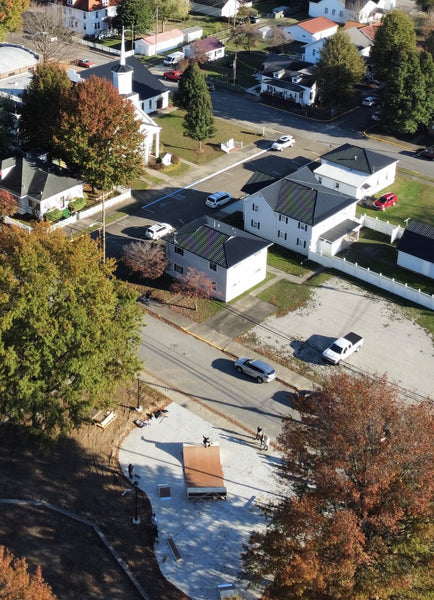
x: 377, y: 279
x: 395, y: 231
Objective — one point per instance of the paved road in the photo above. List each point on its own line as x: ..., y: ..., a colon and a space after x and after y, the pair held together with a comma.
x: 207, y: 374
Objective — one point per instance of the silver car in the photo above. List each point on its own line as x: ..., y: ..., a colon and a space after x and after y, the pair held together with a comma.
x: 256, y: 369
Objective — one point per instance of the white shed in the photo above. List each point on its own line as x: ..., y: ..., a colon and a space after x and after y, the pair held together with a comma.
x: 162, y: 42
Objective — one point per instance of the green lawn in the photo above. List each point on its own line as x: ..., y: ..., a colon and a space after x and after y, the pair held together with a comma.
x: 415, y: 201
x: 174, y: 141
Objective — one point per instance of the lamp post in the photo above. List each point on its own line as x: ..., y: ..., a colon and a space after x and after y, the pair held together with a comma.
x: 136, y: 519
x: 139, y: 406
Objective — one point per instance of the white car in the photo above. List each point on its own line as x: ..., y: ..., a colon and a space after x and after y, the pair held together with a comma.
x: 375, y: 116
x: 157, y: 231
x: 369, y: 101
x: 256, y: 369
x: 218, y: 199
x: 285, y: 141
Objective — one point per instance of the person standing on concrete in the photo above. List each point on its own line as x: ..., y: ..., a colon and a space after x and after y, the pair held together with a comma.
x: 266, y: 442
x: 258, y: 432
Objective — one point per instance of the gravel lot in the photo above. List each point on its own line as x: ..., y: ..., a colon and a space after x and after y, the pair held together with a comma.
x: 393, y: 344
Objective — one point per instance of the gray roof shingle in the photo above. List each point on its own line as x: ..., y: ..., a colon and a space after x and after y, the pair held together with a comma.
x: 358, y: 159
x: 216, y: 241
x: 418, y: 240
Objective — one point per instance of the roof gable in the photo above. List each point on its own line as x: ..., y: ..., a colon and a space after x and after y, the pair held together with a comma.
x: 299, y: 196
x: 357, y: 159
x: 217, y: 242
x: 317, y: 24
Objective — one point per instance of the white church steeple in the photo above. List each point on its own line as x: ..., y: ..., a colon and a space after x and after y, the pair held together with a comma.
x: 123, y: 73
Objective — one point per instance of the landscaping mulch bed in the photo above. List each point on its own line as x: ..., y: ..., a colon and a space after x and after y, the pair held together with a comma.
x: 81, y: 474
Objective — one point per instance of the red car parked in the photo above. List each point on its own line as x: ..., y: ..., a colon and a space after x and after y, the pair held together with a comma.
x: 389, y: 199
x: 173, y: 75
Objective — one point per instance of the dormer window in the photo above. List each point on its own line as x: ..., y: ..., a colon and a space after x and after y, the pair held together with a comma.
x: 105, y: 2
x: 70, y: 2
x: 279, y: 74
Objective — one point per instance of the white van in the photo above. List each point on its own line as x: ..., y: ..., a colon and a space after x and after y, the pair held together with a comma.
x: 173, y: 59
x: 218, y: 199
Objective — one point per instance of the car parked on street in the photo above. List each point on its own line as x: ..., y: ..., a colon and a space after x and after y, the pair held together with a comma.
x: 157, y: 231
x: 369, y: 101
x: 427, y: 153
x: 375, y: 115
x: 389, y: 199
x: 172, y: 75
x: 218, y: 199
x: 285, y: 141
x: 256, y: 369
x: 85, y: 63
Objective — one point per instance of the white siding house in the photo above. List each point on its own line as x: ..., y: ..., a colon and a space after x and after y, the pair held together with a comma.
x: 355, y: 171
x: 232, y: 259
x: 210, y: 46
x: 342, y: 11
x: 289, y: 80
x: 299, y: 214
x: 217, y: 8
x: 416, y: 249
x: 37, y: 188
x: 89, y: 17
x: 311, y: 30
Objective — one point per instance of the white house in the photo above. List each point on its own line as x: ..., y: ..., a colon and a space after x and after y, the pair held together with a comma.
x: 355, y: 171
x: 233, y: 259
x: 289, y: 80
x: 89, y: 17
x: 37, y: 188
x: 341, y: 11
x: 217, y: 8
x: 298, y: 213
x: 311, y: 30
x: 149, y: 45
x: 135, y: 83
x: 210, y: 46
x: 357, y: 35
x: 192, y: 33
x: 416, y: 249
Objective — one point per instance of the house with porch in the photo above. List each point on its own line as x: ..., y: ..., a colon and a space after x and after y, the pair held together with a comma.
x: 355, y: 171
x: 38, y: 187
x: 341, y: 11
x: 234, y: 260
x: 300, y: 214
x: 292, y: 80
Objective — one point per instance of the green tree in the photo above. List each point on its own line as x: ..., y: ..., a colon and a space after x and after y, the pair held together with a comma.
x: 137, y: 14
x: 429, y: 43
x: 396, y: 35
x: 193, y: 95
x: 16, y: 581
x: 11, y: 15
x: 42, y: 104
x: 7, y: 123
x: 339, y: 68
x: 407, y: 99
x: 176, y: 10
x: 69, y: 330
x: 245, y: 36
x: 99, y: 136
x: 355, y: 518
x: 426, y: 6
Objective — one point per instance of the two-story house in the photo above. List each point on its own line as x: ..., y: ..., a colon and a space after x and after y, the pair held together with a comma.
x: 232, y: 259
x: 341, y: 11
x: 89, y: 17
x: 300, y: 214
x: 355, y: 171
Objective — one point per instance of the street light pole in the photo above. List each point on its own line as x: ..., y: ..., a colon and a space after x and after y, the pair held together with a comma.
x: 139, y: 406
x: 136, y: 519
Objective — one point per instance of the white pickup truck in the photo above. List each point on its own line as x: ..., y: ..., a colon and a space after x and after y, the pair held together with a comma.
x: 342, y: 348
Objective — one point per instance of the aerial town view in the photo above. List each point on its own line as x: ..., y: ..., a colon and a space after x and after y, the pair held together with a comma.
x: 216, y: 300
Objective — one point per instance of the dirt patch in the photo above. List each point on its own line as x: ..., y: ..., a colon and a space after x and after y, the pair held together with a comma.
x: 81, y: 474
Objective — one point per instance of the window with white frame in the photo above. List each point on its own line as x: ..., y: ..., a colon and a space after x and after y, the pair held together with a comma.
x: 213, y: 266
x: 179, y: 251
x: 326, y: 11
x: 178, y: 269
x: 255, y: 207
x: 301, y: 242
x: 302, y: 226
x: 337, y: 185
x: 283, y: 219
x: 282, y: 234
x: 255, y: 224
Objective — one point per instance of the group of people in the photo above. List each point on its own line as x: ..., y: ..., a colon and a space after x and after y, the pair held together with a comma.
x: 264, y: 440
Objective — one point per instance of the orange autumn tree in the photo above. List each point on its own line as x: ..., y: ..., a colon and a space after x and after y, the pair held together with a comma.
x: 356, y: 520
x: 16, y: 583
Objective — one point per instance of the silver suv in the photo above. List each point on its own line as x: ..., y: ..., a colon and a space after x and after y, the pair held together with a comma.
x: 256, y: 369
x: 218, y: 199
